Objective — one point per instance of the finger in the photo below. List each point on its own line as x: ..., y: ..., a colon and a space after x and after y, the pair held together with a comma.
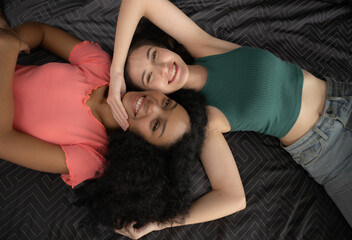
x: 122, y: 232
x: 130, y: 229
x: 132, y: 224
x: 118, y: 107
x: 122, y: 122
x: 121, y: 108
x: 118, y: 117
x: 118, y: 231
x: 123, y: 111
x: 119, y: 114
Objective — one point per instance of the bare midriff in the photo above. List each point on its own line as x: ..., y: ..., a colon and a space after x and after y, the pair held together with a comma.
x: 312, y: 106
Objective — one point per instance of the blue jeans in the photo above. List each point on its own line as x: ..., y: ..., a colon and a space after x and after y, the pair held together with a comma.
x: 325, y: 152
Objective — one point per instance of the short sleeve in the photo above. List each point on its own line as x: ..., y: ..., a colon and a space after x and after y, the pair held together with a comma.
x: 83, y: 162
x: 89, y: 53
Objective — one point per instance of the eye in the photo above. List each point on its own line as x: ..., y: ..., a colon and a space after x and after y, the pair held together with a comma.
x: 149, y: 77
x: 156, y: 125
x: 154, y: 56
x: 167, y: 103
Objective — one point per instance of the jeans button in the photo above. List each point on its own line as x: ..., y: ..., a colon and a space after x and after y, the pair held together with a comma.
x: 330, y: 111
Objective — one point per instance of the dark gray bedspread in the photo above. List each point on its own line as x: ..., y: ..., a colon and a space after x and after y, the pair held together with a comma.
x: 283, y: 202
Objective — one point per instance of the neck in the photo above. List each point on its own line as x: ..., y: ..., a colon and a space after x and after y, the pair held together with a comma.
x: 101, y: 109
x: 197, y: 77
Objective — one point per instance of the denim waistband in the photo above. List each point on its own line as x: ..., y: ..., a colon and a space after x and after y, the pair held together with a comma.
x: 336, y: 92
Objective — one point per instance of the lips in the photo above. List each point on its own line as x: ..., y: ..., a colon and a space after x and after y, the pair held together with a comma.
x: 173, y: 73
x: 138, y: 103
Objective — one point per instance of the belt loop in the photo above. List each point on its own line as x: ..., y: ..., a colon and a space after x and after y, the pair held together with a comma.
x: 321, y: 133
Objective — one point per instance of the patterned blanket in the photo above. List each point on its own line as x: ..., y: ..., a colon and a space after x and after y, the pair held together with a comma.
x: 283, y: 202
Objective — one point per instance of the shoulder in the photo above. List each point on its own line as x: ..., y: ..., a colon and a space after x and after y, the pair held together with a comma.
x: 89, y: 52
x: 217, y: 120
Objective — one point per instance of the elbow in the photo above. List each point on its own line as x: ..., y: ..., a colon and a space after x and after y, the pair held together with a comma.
x: 236, y: 198
x: 242, y: 202
x: 242, y: 199
x: 239, y: 201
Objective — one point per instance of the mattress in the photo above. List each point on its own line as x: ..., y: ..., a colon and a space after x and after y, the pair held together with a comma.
x: 283, y: 202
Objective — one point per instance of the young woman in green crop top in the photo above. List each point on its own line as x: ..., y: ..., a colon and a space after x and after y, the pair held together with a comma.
x: 247, y: 89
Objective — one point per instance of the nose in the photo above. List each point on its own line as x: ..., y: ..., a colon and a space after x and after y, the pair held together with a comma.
x: 151, y: 107
x: 162, y: 69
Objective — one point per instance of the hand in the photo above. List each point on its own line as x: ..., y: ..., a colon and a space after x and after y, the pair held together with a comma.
x: 134, y: 233
x: 116, y: 91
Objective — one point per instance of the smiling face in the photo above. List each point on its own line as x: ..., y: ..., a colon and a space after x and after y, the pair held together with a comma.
x: 155, y: 68
x: 155, y: 117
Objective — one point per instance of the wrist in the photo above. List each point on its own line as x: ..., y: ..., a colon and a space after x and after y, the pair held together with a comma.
x: 164, y: 225
x: 115, y: 75
x: 116, y: 68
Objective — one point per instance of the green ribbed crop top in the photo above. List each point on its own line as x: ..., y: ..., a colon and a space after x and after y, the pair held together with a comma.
x: 254, y: 89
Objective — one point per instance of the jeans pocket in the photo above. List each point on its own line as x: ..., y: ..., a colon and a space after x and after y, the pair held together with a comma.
x: 311, y: 154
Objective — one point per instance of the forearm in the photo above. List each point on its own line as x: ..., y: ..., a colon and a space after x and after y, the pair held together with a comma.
x: 227, y: 195
x: 31, y: 33
x: 131, y: 11
x: 9, y: 48
x: 212, y: 206
x: 50, y: 38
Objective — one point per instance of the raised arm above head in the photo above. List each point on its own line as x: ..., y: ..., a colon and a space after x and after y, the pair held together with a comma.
x: 170, y: 19
x: 55, y: 40
x: 227, y: 195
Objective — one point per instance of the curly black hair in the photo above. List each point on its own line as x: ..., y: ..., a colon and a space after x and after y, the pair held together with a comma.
x: 149, y: 34
x: 144, y: 183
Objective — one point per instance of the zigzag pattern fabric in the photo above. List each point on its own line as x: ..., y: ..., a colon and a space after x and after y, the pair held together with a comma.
x: 283, y: 202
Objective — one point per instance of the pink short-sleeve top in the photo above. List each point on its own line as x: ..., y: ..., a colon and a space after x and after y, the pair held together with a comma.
x: 50, y: 104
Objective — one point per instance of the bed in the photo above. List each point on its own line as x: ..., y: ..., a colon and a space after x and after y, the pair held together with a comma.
x: 283, y: 202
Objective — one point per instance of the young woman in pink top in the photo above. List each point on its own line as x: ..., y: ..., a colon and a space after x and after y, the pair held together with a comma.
x: 55, y: 118
x: 64, y: 105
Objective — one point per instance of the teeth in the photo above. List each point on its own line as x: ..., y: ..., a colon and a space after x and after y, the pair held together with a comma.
x: 138, y: 104
x: 172, y: 72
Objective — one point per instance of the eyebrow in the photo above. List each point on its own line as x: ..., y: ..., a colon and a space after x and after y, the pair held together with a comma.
x: 148, y: 52
x: 173, y: 107
x: 148, y: 55
x: 163, y: 130
x: 164, y: 125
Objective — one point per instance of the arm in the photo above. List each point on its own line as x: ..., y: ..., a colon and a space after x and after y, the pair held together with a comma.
x: 171, y: 20
x: 50, y: 38
x: 227, y: 195
x: 17, y: 147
